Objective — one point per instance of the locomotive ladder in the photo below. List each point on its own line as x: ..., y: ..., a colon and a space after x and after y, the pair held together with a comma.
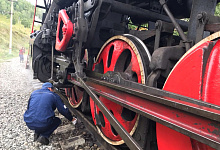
x: 194, y: 118
x: 42, y: 7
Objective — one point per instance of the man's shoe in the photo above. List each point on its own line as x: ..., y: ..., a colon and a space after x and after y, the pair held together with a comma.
x: 36, y: 136
x: 43, y: 140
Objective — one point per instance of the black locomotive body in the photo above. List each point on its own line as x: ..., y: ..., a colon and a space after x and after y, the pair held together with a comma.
x: 151, y: 36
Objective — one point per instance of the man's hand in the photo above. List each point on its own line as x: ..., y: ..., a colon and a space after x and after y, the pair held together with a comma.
x: 74, y: 121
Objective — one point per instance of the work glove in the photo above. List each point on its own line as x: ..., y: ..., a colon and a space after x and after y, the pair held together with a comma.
x: 74, y: 120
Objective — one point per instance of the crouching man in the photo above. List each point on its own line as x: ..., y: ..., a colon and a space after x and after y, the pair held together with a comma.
x: 40, y: 116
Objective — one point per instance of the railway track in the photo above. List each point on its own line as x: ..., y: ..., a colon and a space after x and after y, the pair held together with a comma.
x: 68, y: 136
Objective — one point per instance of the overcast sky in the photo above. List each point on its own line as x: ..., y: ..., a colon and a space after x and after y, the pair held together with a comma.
x: 39, y: 2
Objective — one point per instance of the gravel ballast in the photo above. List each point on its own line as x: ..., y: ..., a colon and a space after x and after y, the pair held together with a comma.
x: 16, y: 86
x: 15, y: 89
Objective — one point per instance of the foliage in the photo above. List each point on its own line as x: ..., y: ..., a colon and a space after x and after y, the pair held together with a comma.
x: 131, y: 26
x: 20, y: 38
x: 23, y: 11
x: 22, y: 20
x: 217, y: 10
x: 4, y: 7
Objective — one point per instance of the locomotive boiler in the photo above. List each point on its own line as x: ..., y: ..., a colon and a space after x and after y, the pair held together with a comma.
x: 147, y: 71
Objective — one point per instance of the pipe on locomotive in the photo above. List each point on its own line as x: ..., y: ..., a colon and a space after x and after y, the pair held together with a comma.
x: 54, y: 7
x: 137, y: 12
x: 122, y: 8
x: 180, y: 31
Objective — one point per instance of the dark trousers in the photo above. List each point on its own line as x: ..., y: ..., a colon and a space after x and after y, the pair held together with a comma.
x: 21, y: 58
x: 47, y: 130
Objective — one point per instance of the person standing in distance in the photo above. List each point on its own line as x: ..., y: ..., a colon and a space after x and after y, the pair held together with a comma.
x: 21, y: 54
x: 40, y: 115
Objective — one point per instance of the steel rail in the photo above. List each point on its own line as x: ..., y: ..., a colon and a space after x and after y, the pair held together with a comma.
x: 200, y: 121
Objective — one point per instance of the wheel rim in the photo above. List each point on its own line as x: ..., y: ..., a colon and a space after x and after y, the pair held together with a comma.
x: 197, y: 76
x: 119, y: 54
x: 75, y: 94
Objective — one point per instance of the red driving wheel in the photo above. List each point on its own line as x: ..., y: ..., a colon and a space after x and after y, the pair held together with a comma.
x: 75, y: 95
x: 196, y: 75
x: 120, y: 54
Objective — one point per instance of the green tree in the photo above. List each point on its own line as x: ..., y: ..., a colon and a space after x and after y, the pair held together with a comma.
x: 23, y: 11
x: 217, y: 10
x: 15, y: 18
x: 4, y: 7
x: 25, y: 22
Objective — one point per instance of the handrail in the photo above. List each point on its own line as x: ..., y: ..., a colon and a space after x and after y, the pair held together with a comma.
x: 32, y: 30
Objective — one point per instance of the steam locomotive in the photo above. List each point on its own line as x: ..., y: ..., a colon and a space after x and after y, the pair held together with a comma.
x: 148, y: 71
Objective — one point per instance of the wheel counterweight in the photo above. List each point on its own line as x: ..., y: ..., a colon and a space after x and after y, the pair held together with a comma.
x: 196, y: 75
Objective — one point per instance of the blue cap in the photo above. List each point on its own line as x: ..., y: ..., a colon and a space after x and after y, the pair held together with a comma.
x: 47, y: 85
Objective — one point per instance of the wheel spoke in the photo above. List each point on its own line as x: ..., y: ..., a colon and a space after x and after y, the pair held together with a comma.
x: 118, y: 55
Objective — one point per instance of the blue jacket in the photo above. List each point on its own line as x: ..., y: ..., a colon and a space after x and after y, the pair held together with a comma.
x: 41, y: 106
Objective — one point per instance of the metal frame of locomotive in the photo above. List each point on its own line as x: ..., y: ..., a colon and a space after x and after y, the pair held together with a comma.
x: 88, y: 46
